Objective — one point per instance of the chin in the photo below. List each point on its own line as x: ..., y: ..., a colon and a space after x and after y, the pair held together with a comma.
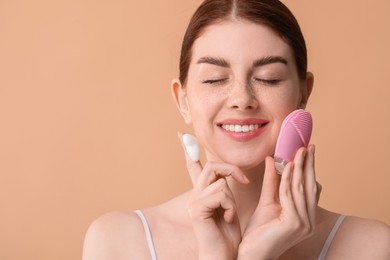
x: 245, y: 162
x: 247, y: 165
x: 244, y: 157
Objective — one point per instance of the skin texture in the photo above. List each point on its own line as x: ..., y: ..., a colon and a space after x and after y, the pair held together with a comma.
x: 239, y: 208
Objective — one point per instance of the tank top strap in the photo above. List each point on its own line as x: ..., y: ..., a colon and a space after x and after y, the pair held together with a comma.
x: 147, y: 233
x: 331, y: 236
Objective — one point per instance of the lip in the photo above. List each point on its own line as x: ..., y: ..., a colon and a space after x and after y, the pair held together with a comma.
x: 244, y: 136
x: 244, y: 121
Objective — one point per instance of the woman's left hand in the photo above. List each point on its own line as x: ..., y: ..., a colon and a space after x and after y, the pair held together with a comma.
x: 283, y: 218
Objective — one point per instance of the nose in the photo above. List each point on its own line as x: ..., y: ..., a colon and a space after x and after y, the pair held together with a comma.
x: 241, y: 97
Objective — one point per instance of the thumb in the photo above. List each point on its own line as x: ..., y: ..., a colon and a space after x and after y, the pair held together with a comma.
x: 191, y: 151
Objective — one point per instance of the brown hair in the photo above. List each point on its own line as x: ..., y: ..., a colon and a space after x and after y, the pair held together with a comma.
x: 271, y: 13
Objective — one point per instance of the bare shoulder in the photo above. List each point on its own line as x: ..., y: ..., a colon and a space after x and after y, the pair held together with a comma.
x: 360, y: 238
x: 115, y: 235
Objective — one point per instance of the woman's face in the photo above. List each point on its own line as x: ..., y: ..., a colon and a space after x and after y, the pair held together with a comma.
x: 242, y: 82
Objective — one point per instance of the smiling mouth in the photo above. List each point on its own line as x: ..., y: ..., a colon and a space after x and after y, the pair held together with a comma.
x: 241, y: 128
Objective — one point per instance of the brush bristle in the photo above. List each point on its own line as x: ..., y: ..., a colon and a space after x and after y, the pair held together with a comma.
x: 295, y: 132
x: 302, y: 121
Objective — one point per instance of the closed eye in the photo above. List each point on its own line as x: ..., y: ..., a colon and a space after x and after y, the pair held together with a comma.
x: 267, y: 81
x: 214, y: 81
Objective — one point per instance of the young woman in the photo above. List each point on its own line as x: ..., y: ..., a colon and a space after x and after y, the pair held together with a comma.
x: 243, y: 69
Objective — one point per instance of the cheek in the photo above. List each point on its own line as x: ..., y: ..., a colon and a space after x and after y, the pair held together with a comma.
x: 289, y: 99
x: 282, y: 98
x: 204, y: 102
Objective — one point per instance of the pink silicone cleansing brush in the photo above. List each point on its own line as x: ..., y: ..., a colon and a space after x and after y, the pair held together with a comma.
x: 294, y: 133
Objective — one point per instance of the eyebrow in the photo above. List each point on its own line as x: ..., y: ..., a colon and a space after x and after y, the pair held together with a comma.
x: 269, y: 60
x: 257, y: 63
x: 214, y: 61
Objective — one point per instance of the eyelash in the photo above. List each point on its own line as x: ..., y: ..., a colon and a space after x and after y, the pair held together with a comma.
x: 267, y: 81
x: 213, y: 81
x: 262, y: 81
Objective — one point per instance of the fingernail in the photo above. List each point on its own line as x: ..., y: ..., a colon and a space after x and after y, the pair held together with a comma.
x: 302, y: 152
x: 312, y: 149
x: 245, y: 179
x: 192, y: 147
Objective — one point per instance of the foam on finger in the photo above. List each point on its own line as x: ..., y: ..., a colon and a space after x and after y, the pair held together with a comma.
x: 192, y: 147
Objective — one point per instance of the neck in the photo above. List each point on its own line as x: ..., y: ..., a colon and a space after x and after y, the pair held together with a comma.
x: 247, y: 195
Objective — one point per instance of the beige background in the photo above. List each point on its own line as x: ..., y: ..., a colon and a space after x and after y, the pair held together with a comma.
x: 87, y: 124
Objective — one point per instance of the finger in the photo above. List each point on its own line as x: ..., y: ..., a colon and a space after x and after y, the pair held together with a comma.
x: 214, y: 171
x: 285, y: 194
x: 194, y: 167
x: 228, y: 204
x: 311, y: 186
x: 319, y: 190
x: 217, y: 196
x: 298, y: 185
x: 269, y: 191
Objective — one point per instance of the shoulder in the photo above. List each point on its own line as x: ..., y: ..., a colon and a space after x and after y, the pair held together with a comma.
x: 115, y: 235
x: 360, y: 238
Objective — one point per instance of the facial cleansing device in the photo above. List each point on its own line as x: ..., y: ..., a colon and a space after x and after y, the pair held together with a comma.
x: 295, y: 133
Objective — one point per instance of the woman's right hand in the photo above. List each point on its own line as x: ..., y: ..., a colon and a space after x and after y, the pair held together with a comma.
x: 212, y: 208
x: 286, y: 215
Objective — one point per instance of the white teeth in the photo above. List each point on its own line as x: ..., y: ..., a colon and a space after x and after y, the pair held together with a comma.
x: 240, y: 128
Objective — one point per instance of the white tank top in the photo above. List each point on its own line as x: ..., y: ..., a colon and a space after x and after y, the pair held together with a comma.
x: 322, y: 256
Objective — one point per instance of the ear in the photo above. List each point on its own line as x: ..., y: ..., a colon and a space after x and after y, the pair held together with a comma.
x: 306, y: 89
x: 179, y: 94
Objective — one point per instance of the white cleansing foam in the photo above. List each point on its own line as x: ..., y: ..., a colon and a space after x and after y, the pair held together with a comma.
x: 192, y: 147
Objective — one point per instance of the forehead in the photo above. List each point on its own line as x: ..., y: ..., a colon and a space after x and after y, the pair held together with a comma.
x: 240, y: 39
